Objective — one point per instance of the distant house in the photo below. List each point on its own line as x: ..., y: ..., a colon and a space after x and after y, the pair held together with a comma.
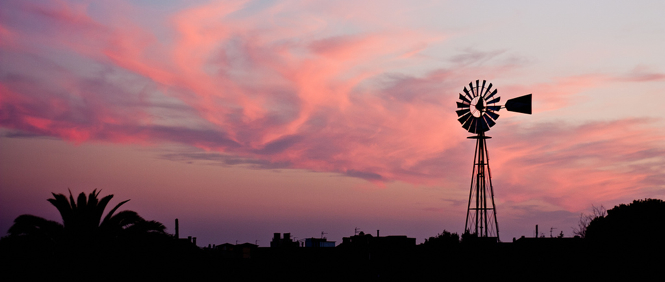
x: 245, y: 250
x: 186, y: 241
x: 549, y: 242
x: 319, y: 243
x: 286, y: 242
x: 363, y: 240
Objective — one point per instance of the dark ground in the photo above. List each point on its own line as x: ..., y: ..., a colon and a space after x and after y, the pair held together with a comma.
x: 170, y: 260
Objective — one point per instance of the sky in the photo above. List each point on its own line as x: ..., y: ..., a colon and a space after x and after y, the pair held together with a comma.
x: 245, y: 118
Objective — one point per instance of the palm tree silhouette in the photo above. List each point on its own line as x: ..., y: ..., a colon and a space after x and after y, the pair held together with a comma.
x: 82, y: 220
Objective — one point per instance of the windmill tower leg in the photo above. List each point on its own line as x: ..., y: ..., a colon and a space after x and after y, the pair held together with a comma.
x: 481, y: 213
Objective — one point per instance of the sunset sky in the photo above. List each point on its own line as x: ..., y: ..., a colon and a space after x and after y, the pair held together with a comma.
x: 244, y: 118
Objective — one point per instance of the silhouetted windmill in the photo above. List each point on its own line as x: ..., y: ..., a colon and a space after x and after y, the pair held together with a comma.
x: 477, y: 112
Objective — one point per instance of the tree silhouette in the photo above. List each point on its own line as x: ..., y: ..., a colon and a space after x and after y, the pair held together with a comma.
x: 640, y: 222
x: 90, y: 242
x: 468, y: 237
x: 586, y: 219
x: 442, y: 239
x: 82, y: 220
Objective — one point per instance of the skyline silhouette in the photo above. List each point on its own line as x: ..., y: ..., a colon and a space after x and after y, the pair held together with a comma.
x: 87, y: 246
x: 634, y: 223
x: 83, y: 220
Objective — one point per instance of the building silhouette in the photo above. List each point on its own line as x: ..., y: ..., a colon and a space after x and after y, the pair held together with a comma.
x: 319, y: 243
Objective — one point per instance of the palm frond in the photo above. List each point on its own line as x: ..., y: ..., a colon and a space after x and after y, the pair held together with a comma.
x: 80, y: 202
x: 93, y: 201
x: 35, y: 226
x: 62, y: 204
x: 110, y: 214
x: 152, y: 226
x: 99, y: 210
x: 125, y: 218
x: 71, y: 200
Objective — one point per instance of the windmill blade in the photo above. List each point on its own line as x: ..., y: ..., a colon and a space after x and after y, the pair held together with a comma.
x: 469, y: 124
x: 474, y: 126
x: 467, y: 94
x: 488, y: 120
x: 482, y: 89
x: 496, y: 100
x: 462, y: 112
x: 461, y: 97
x: 488, y: 90
x: 493, y: 115
x: 462, y: 105
x: 478, y: 87
x: 471, y: 86
x: 483, y: 125
x: 520, y: 104
x: 491, y: 95
x: 466, y: 123
x: 464, y: 119
x: 494, y: 108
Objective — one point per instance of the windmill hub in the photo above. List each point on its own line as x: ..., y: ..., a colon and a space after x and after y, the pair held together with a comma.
x: 478, y: 112
x: 477, y: 106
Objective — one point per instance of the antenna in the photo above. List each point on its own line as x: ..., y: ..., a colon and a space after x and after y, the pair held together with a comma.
x: 323, y: 233
x: 478, y: 112
x: 356, y: 231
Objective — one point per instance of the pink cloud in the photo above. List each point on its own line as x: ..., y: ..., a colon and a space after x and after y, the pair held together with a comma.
x: 642, y: 74
x: 558, y: 94
x: 570, y: 165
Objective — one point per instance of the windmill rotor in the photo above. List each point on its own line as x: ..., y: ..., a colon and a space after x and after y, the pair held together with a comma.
x: 476, y: 112
x: 478, y: 108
